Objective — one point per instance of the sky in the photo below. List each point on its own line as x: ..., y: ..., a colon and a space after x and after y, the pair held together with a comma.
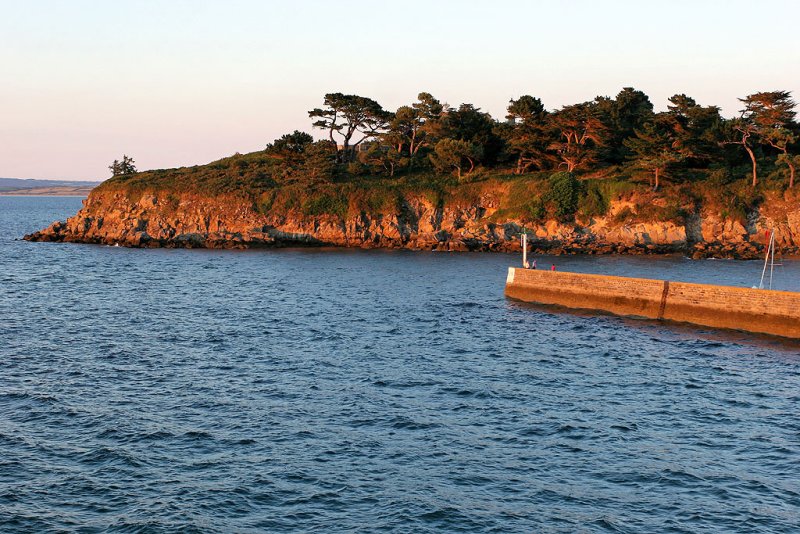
x: 183, y: 82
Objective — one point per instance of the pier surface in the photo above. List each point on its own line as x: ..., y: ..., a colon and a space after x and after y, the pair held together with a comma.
x: 752, y: 310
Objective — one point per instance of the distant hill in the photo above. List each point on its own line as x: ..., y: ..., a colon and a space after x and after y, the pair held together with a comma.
x: 18, y: 183
x: 45, y: 187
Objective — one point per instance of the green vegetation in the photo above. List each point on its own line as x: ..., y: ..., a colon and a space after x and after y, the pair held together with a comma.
x: 568, y: 164
x: 326, y: 204
x: 564, y: 194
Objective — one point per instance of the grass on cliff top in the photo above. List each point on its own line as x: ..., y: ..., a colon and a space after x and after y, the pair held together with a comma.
x: 275, y: 186
x: 264, y: 179
x: 240, y: 172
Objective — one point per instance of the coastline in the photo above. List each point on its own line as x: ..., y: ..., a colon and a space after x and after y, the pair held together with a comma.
x: 416, y: 220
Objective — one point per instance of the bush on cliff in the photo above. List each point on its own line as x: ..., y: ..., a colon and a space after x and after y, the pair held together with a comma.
x: 593, y: 203
x: 564, y: 194
x: 536, y: 211
x: 326, y: 203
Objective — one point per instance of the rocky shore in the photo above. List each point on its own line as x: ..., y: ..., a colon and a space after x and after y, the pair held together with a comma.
x: 162, y: 219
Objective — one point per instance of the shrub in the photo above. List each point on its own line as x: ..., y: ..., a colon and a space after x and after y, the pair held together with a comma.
x: 356, y: 168
x: 264, y: 202
x: 564, y: 193
x: 594, y: 202
x: 535, y: 210
x: 378, y: 200
x: 325, y: 204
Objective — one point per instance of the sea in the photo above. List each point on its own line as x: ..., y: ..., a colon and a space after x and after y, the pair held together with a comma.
x: 331, y: 390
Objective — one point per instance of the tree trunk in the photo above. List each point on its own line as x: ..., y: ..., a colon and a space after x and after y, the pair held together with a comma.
x: 344, y: 153
x: 753, y: 159
x: 413, y: 152
x: 655, y: 187
x: 790, y: 163
x: 347, y: 150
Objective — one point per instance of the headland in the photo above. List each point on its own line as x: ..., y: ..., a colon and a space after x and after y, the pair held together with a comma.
x: 606, y: 176
x: 191, y: 207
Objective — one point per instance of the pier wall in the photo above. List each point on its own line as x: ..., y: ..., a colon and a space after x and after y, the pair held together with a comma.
x: 752, y: 310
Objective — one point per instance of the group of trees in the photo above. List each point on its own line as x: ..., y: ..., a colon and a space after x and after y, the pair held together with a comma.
x: 622, y: 134
x: 624, y: 131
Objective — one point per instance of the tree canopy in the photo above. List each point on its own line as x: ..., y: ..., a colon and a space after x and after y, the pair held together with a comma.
x: 526, y: 133
x: 623, y: 134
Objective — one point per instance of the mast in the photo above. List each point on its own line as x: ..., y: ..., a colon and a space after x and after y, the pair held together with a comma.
x: 770, y: 250
x: 772, y: 260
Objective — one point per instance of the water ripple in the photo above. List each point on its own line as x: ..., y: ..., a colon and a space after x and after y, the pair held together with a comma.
x: 305, y: 390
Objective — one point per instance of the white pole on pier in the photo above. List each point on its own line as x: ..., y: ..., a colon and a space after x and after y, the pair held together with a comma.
x: 524, y: 249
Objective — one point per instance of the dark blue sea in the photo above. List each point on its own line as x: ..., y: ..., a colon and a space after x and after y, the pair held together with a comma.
x: 308, y: 390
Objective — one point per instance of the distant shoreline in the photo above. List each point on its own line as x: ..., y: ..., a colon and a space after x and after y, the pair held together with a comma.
x: 48, y: 192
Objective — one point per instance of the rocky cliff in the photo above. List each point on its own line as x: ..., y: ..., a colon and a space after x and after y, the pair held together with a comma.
x: 161, y: 218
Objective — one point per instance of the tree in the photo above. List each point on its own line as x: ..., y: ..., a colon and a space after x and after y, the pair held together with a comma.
x: 698, y: 128
x: 411, y: 127
x: 580, y: 132
x: 470, y: 124
x: 403, y: 129
x: 656, y: 146
x: 455, y: 154
x: 773, y: 114
x: 742, y: 129
x: 630, y: 110
x: 527, y: 136
x: 348, y: 115
x: 763, y: 113
x: 122, y: 168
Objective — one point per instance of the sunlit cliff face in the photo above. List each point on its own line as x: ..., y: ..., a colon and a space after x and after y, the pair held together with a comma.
x: 114, y: 216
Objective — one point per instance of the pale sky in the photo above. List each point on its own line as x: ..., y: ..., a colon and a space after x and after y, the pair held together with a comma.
x: 184, y: 82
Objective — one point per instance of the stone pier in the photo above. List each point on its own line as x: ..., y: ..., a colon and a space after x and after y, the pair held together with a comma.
x: 752, y: 310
